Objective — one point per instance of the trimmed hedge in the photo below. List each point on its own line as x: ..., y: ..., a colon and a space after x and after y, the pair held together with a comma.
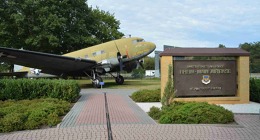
x: 192, y: 113
x: 255, y: 90
x: 20, y: 89
x: 31, y: 114
x: 147, y: 95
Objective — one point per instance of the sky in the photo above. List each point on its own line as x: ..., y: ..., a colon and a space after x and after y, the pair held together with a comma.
x: 187, y: 23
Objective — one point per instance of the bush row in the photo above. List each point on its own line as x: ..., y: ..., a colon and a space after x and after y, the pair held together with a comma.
x: 31, y: 114
x: 255, y: 90
x: 147, y: 95
x: 191, y: 113
x: 20, y: 89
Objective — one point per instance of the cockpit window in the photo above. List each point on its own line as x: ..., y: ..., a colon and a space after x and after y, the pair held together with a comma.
x: 140, y: 40
x: 137, y: 41
x: 134, y: 41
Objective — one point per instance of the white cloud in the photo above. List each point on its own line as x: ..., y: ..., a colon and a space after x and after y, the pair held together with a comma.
x: 187, y: 23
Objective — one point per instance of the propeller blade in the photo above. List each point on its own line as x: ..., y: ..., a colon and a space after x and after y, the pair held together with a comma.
x: 121, y: 65
x: 139, y: 64
x: 119, y: 57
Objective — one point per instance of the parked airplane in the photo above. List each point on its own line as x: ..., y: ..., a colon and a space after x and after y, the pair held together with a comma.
x: 112, y: 56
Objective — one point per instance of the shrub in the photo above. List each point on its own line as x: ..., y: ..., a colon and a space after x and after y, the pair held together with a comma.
x: 36, y: 118
x: 12, y: 122
x: 31, y: 114
x: 193, y: 113
x: 155, y: 113
x: 147, y: 95
x: 255, y: 90
x: 21, y: 89
x: 169, y: 93
x: 53, y: 119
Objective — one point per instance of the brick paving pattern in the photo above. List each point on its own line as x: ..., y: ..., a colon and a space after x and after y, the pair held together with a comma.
x: 90, y: 109
x: 86, y: 120
x: 93, y: 112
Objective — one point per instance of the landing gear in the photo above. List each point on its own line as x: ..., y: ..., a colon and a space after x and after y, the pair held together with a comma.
x: 96, y: 79
x: 96, y: 82
x: 119, y: 80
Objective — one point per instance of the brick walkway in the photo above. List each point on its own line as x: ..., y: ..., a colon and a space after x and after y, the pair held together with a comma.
x: 90, y: 109
x: 86, y: 120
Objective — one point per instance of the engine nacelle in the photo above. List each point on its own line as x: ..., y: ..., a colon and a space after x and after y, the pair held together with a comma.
x: 130, y: 66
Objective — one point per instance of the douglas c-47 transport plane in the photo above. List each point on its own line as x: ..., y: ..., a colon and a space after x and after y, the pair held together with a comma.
x: 112, y: 56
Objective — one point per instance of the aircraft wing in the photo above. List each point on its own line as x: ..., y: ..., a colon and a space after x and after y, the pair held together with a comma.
x: 48, y: 63
x: 18, y: 74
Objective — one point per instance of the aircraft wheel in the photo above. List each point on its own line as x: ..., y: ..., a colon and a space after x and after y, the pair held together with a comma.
x: 96, y: 82
x: 120, y: 80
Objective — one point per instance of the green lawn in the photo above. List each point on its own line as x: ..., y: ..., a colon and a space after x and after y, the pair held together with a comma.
x: 147, y: 83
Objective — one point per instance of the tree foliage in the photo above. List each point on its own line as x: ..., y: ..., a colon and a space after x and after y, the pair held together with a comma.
x: 255, y: 90
x: 149, y: 63
x: 138, y: 73
x: 106, y: 24
x: 221, y: 46
x: 54, y: 26
x: 4, y: 67
x: 254, y: 49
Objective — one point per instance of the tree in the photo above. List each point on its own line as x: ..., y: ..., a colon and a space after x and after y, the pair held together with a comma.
x: 254, y: 49
x: 149, y: 63
x: 4, y: 67
x: 221, y: 46
x: 107, y: 26
x: 169, y: 92
x: 54, y: 26
x: 138, y: 73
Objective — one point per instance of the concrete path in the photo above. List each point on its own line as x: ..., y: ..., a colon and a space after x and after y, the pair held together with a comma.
x: 86, y: 120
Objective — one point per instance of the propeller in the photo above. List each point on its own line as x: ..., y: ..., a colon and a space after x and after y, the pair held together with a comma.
x: 140, y: 63
x: 120, y: 58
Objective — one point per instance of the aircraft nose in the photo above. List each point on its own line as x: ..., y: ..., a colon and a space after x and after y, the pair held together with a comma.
x: 151, y: 45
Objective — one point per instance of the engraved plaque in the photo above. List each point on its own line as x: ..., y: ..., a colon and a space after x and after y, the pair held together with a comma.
x: 205, y: 78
